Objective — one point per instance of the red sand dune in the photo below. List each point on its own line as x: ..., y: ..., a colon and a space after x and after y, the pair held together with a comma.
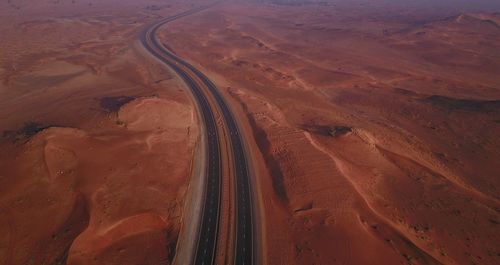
x: 373, y: 128
x: 377, y: 136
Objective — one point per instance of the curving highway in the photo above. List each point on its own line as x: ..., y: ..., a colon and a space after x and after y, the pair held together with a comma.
x: 210, y: 101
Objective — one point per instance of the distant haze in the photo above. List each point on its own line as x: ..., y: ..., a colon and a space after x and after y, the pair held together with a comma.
x: 451, y: 5
x: 466, y: 5
x: 417, y: 10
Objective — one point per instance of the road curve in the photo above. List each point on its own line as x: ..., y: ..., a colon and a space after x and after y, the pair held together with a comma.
x: 207, y: 241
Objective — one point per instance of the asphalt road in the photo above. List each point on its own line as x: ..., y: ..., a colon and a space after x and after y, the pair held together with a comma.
x: 207, y: 241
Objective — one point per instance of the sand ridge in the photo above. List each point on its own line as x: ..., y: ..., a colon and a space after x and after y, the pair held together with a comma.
x: 97, y: 141
x: 124, y: 178
x: 377, y: 133
x: 374, y: 128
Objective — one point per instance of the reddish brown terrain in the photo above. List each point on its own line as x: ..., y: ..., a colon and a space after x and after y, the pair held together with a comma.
x: 376, y: 135
x: 97, y: 140
x: 373, y: 129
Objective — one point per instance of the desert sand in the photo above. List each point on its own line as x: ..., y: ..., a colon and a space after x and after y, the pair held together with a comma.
x: 97, y: 139
x: 373, y: 128
x: 376, y: 136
